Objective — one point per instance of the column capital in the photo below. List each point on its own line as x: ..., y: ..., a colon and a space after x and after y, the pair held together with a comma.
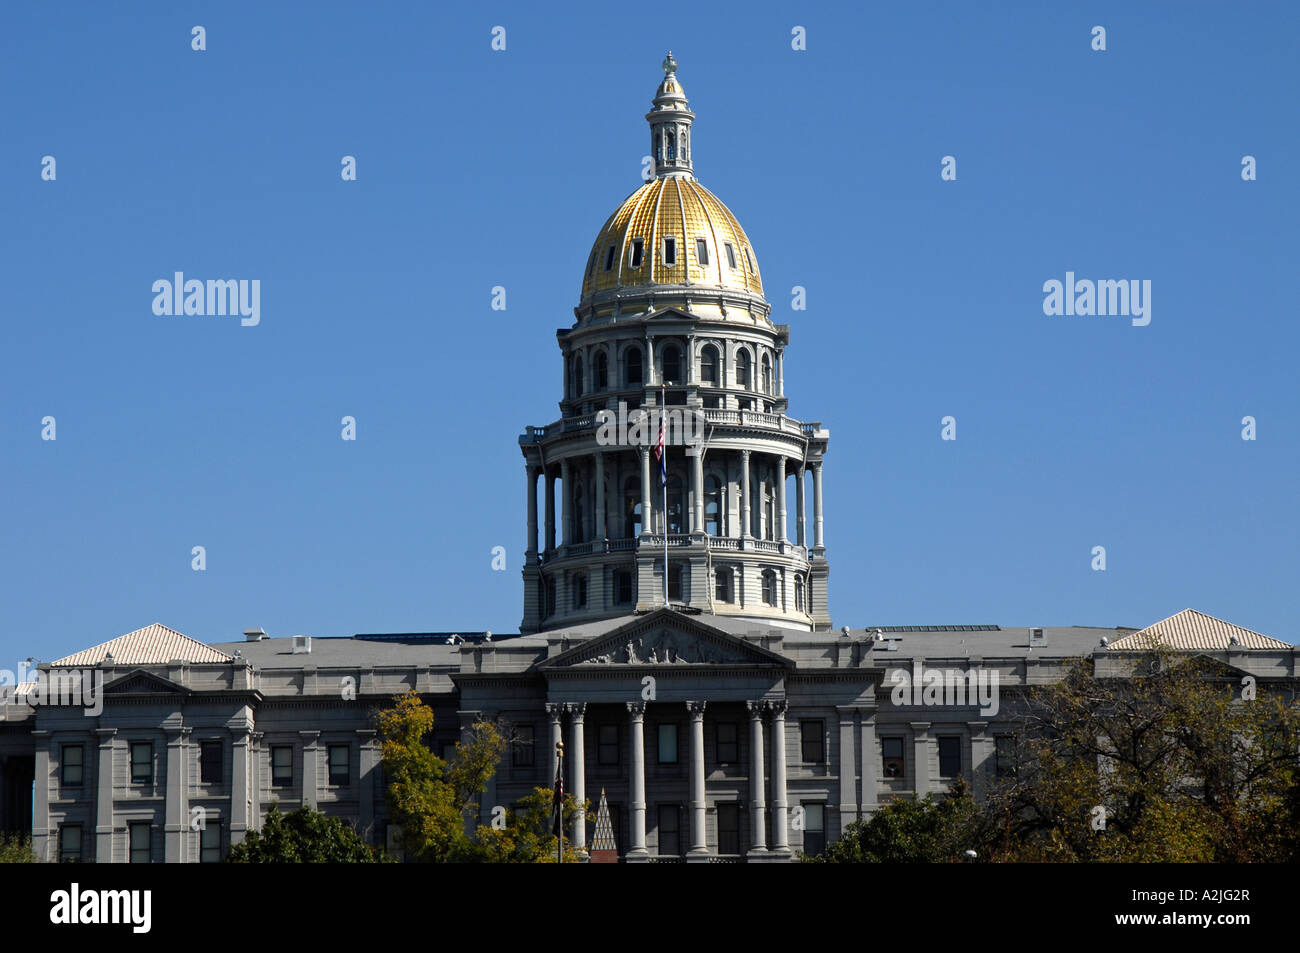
x: 177, y: 733
x: 920, y: 727
x: 102, y: 732
x: 755, y: 708
x: 555, y: 710
x: 696, y: 708
x: 778, y: 707
x: 309, y: 737
x: 576, y: 710
x: 636, y: 710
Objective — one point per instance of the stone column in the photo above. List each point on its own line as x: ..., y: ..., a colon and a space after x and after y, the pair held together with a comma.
x: 103, y: 796
x: 531, y: 480
x: 847, y: 769
x: 310, y: 775
x: 366, y: 778
x: 979, y: 754
x: 550, y: 510
x: 697, y: 490
x: 757, y: 805
x: 239, y: 784
x: 817, y: 505
x: 699, y: 842
x: 746, y: 527
x: 921, y: 758
x: 44, y: 841
x: 601, y: 534
x: 177, y: 809
x: 780, y: 831
x: 555, y: 711
x: 636, y: 850
x: 647, y: 508
x: 566, y: 514
x: 780, y: 372
x: 782, y: 535
x: 579, y: 783
x: 870, y: 763
x: 799, y: 502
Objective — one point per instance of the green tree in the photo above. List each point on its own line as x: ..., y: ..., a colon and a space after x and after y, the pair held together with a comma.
x: 527, y: 837
x: 932, y: 830
x: 16, y: 849
x: 303, y: 837
x: 434, y: 801
x: 1164, y: 757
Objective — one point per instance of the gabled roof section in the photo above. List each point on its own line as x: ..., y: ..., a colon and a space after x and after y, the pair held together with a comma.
x: 666, y: 638
x: 153, y: 645
x: 1190, y: 629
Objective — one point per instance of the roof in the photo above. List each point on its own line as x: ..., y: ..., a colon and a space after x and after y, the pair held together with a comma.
x: 1190, y: 629
x: 154, y: 644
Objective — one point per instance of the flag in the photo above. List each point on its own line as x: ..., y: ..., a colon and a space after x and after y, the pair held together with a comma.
x: 557, y: 799
x: 660, y: 454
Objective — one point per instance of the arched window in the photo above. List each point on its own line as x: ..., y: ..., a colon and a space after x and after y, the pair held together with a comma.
x: 709, y: 365
x: 634, y: 365
x: 578, y: 536
x: 580, y: 590
x: 600, y: 371
x: 672, y: 145
x: 632, y: 508
x: 675, y: 509
x: 577, y: 377
x: 672, y: 364
x: 767, y: 374
x: 798, y: 593
x: 713, y: 506
x: 769, y: 511
x: 769, y: 587
x: 742, y: 369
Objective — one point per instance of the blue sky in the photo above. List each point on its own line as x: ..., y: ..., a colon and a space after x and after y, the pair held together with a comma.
x: 479, y: 168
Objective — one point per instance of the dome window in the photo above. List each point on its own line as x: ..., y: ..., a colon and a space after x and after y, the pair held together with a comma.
x: 634, y: 261
x: 634, y: 365
x: 709, y: 365
x: 600, y: 371
x: 670, y: 251
x: 672, y: 364
x: 731, y: 255
x: 702, y: 251
x: 742, y: 369
x: 749, y: 261
x: 609, y: 258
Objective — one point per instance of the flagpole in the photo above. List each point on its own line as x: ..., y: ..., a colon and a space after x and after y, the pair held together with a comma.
x: 663, y: 424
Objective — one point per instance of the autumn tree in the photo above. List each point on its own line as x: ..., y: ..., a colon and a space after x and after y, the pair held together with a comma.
x: 1162, y: 757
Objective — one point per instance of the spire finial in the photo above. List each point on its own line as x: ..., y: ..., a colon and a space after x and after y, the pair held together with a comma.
x: 670, y: 64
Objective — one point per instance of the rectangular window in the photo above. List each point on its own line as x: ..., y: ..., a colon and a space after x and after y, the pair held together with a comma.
x: 891, y: 757
x: 729, y: 828
x: 141, y: 843
x: 210, y: 762
x: 728, y: 742
x: 667, y: 744
x: 1006, y: 755
x: 701, y: 251
x: 607, y: 744
x: 812, y: 734
x: 622, y: 586
x: 814, y: 831
x: 142, y: 762
x: 670, y: 840
x: 722, y: 585
x: 609, y: 259
x: 72, y: 771
x: 70, y: 844
x: 210, y: 843
x: 282, y: 766
x: 670, y: 251
x: 637, y: 246
x: 675, y: 582
x: 949, y: 756
x: 731, y: 255
x: 340, y: 766
x: 522, y: 753
x: 749, y: 261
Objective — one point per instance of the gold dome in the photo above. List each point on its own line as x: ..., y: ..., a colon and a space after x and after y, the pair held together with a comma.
x: 632, y: 250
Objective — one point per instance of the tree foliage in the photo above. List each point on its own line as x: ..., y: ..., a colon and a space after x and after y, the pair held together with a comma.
x: 1169, y: 760
x: 932, y: 830
x: 304, y: 836
x: 17, y: 849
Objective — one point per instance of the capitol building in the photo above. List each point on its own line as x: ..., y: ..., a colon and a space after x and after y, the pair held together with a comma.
x: 676, y: 630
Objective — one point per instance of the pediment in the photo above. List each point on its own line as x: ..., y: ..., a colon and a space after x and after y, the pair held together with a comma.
x: 140, y: 682
x: 665, y: 639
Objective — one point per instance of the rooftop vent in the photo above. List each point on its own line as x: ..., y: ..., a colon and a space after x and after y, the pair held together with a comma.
x: 255, y: 635
x: 301, y: 644
x: 1036, y: 637
x: 1104, y: 641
